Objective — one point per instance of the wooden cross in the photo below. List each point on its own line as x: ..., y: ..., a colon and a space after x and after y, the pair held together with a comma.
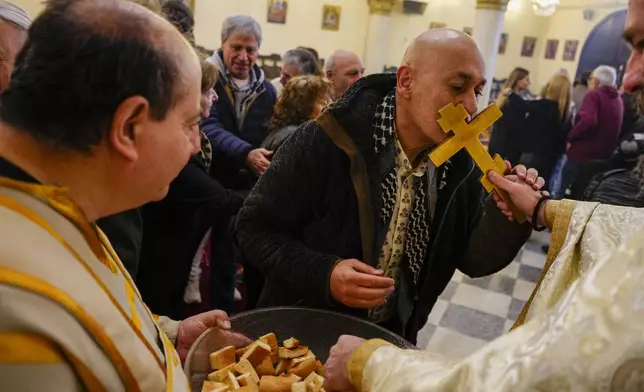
x: 466, y: 135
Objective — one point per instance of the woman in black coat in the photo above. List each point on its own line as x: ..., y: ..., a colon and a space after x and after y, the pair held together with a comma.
x: 174, y: 228
x: 541, y: 126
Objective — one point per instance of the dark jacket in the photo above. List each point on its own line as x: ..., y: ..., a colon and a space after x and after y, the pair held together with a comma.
x: 275, y: 140
x: 173, y: 231
x: 317, y: 204
x: 231, y: 142
x: 125, y: 232
x: 596, y: 132
x: 541, y: 133
x: 506, y: 139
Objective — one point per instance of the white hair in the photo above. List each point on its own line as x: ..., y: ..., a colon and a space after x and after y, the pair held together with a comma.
x: 329, y: 62
x: 14, y: 15
x: 243, y: 24
x: 605, y: 75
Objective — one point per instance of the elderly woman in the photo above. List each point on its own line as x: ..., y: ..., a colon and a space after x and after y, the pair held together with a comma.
x: 302, y: 100
x: 174, y: 228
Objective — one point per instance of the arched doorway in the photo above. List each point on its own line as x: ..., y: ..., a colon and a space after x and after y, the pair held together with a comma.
x: 604, y: 46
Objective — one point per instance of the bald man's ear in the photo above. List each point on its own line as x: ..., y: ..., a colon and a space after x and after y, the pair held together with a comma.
x: 403, y: 76
x: 127, y: 125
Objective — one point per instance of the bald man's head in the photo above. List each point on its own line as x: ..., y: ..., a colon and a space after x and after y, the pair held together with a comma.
x: 111, y: 79
x: 440, y: 66
x: 342, y: 68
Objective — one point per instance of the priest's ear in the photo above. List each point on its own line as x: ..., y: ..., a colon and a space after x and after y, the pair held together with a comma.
x: 404, y: 81
x: 128, y: 124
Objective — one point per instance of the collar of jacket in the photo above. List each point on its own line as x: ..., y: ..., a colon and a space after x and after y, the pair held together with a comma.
x: 344, y: 122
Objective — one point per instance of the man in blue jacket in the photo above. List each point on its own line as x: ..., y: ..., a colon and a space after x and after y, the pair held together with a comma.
x: 238, y: 121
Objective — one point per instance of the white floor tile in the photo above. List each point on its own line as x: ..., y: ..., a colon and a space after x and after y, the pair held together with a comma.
x: 453, y: 344
x: 523, y: 289
x: 437, y: 312
x: 458, y: 276
x: 508, y: 325
x: 511, y: 270
x: 482, y: 300
x: 533, y: 259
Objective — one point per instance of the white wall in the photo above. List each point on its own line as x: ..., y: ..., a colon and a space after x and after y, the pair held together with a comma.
x: 303, y: 27
x: 568, y: 24
x: 458, y: 14
x: 303, y: 24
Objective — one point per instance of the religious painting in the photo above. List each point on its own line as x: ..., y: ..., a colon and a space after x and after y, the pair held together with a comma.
x: 552, y: 45
x: 503, y: 43
x: 277, y: 10
x: 437, y: 25
x: 570, y: 49
x: 331, y: 17
x: 468, y: 30
x: 527, y: 49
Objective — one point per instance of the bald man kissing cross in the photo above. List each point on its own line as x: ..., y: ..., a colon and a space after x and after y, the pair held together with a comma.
x: 352, y: 215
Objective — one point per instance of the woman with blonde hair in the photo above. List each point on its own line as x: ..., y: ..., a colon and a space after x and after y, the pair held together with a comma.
x: 302, y: 99
x: 517, y: 83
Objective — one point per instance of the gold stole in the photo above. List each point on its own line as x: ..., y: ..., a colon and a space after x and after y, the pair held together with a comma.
x: 583, y: 233
x: 88, y: 280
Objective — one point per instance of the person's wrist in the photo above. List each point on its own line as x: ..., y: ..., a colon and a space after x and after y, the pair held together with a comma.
x: 541, y: 214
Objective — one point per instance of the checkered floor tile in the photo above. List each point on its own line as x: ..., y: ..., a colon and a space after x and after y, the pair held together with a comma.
x: 471, y: 312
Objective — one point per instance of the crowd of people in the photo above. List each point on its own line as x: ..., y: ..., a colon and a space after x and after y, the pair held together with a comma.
x: 152, y: 174
x: 583, y: 138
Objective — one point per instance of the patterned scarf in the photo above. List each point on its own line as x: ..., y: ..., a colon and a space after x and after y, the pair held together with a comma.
x: 418, y: 229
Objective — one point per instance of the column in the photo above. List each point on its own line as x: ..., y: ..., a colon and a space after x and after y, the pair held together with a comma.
x: 375, y: 55
x: 488, y: 26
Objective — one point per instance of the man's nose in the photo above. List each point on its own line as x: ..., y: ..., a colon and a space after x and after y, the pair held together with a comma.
x: 634, y: 75
x: 243, y: 56
x: 471, y: 104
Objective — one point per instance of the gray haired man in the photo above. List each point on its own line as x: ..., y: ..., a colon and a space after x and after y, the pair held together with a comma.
x: 343, y: 68
x: 14, y: 23
x: 595, y: 136
x: 237, y: 124
x: 295, y: 62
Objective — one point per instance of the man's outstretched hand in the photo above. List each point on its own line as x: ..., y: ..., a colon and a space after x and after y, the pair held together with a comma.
x: 358, y: 285
x: 336, y: 373
x: 191, y: 328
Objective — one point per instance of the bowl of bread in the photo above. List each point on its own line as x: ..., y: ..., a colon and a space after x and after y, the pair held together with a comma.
x: 287, y: 354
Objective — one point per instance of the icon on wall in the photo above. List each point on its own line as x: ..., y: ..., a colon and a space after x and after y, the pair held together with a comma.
x: 570, y: 49
x: 503, y: 43
x: 277, y: 10
x: 552, y: 45
x: 331, y: 17
x: 437, y: 25
x: 527, y: 49
x: 469, y: 31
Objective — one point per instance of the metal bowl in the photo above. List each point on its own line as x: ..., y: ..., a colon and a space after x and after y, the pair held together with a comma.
x: 317, y: 329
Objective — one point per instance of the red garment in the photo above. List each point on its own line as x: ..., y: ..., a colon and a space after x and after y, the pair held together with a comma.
x: 596, y: 133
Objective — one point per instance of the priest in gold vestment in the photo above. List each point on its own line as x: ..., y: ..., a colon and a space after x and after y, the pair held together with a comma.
x: 583, y: 328
x: 100, y: 116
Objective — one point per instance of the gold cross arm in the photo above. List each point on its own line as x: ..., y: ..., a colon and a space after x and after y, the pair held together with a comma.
x: 466, y: 135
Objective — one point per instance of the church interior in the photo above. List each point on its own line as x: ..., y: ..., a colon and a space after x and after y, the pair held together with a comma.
x: 528, y: 46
